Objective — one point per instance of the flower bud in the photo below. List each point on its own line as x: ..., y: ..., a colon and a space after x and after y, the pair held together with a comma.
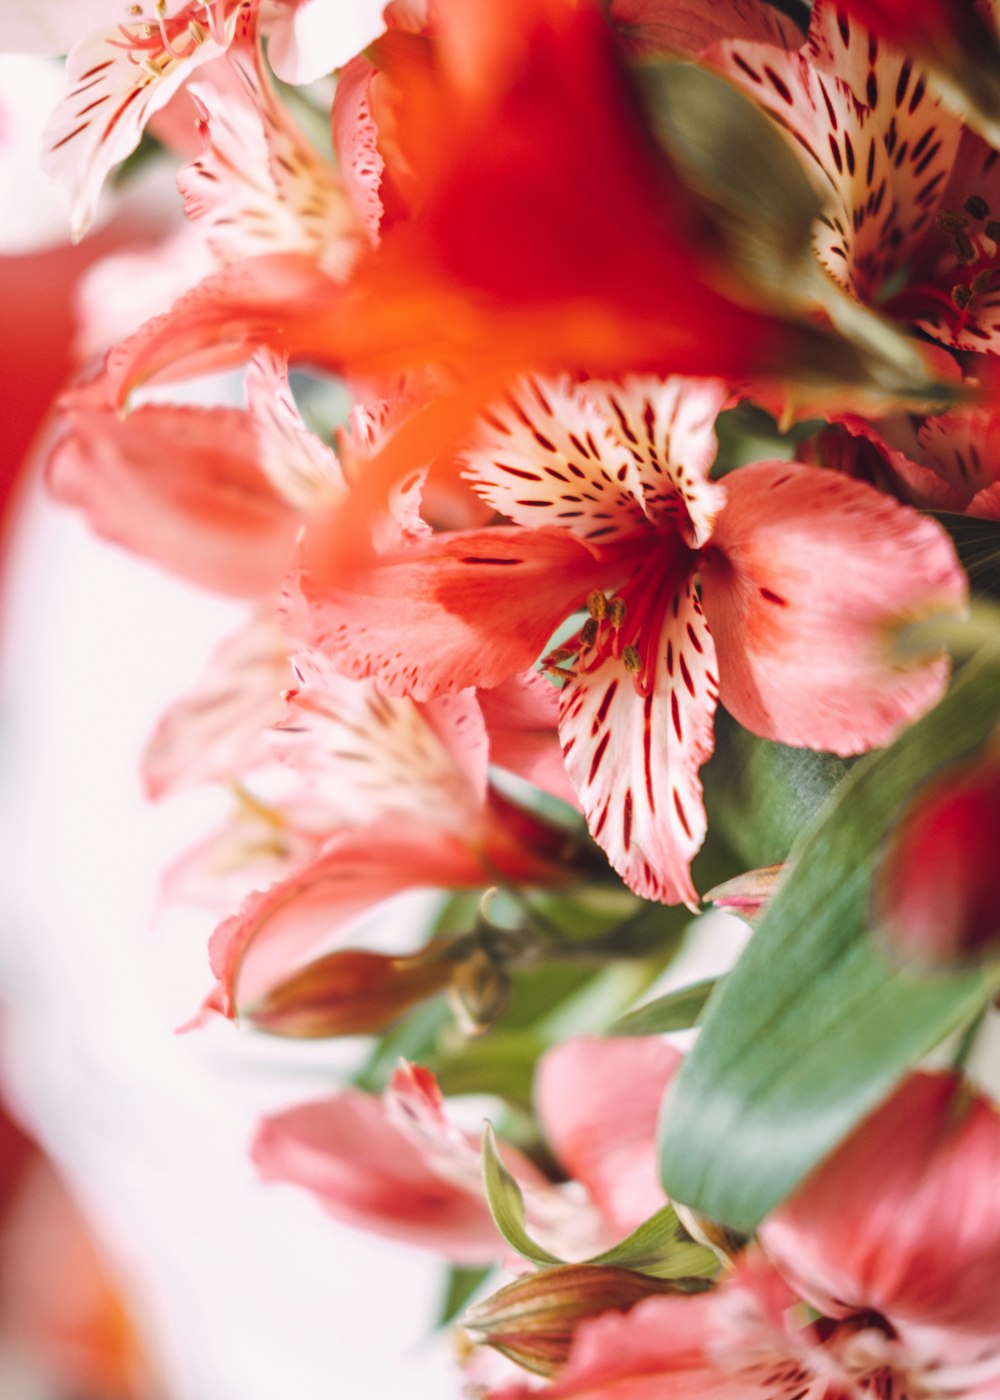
x: 746, y: 894
x: 534, y: 1319
x: 352, y: 992
x: 936, y: 900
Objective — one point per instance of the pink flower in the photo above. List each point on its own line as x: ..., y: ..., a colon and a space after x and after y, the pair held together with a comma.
x: 803, y: 578
x: 903, y: 1219
x: 400, y: 1167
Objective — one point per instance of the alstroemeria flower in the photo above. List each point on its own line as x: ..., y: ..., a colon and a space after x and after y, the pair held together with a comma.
x: 407, y: 805
x: 597, y: 1103
x: 900, y: 1228
x: 908, y: 190
x: 804, y: 576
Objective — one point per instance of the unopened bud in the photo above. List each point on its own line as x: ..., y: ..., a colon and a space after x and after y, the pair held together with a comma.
x: 534, y: 1319
x: 936, y: 900
x: 480, y: 992
x: 352, y: 992
x: 747, y: 894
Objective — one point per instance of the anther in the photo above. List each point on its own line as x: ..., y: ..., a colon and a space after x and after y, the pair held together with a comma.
x: 976, y: 206
x: 631, y: 660
x: 588, y: 632
x: 962, y: 247
x: 616, y: 612
x: 950, y: 222
x: 961, y: 296
x: 993, y: 230
x: 597, y: 605
x: 981, y: 281
x: 197, y: 31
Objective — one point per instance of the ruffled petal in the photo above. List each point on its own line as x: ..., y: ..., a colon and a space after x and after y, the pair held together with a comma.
x: 366, y: 754
x: 668, y: 429
x: 368, y: 1172
x: 180, y: 486
x: 259, y: 186
x: 304, y: 470
x: 277, y: 930
x: 547, y: 455
x: 217, y: 732
x: 466, y: 609
x: 634, y: 758
x: 688, y: 27
x: 808, y: 581
x: 598, y: 1102
x: 355, y: 139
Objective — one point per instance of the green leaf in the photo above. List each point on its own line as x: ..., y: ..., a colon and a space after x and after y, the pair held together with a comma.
x: 977, y: 543
x: 507, y: 1204
x: 460, y: 1286
x: 675, y: 1011
x: 661, y: 1246
x: 813, y: 1028
x: 501, y: 1062
x: 782, y: 787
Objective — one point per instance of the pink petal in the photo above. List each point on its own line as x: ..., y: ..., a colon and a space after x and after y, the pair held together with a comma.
x: 279, y: 299
x: 259, y: 186
x: 688, y: 26
x: 217, y: 732
x: 472, y: 608
x: 809, y: 578
x: 521, y: 717
x: 302, y: 468
x: 365, y: 754
x: 904, y: 1218
x: 277, y: 930
x: 964, y: 449
x: 366, y: 1171
x: 355, y: 139
x: 180, y: 486
x: 598, y: 1102
x: 634, y: 758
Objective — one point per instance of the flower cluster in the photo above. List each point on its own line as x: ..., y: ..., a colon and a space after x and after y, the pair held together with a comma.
x: 588, y: 378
